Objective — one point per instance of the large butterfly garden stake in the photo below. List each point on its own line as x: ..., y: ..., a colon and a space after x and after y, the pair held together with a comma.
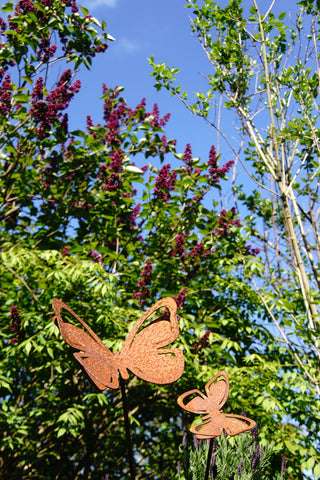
x: 214, y: 422
x: 143, y: 352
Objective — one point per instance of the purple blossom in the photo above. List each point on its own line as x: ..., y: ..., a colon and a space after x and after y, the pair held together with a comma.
x: 5, y: 95
x: 74, y: 7
x: 140, y: 108
x: 37, y: 93
x: 256, y: 457
x: 214, y: 172
x: 46, y: 111
x: 165, y: 183
x: 96, y: 257
x: 225, y: 221
x: 254, y: 432
x: 184, y: 440
x: 113, y: 183
x: 164, y: 120
x: 3, y: 26
x: 146, y: 279
x: 27, y: 6
x: 187, y: 158
x: 197, y: 250
x: 116, y: 160
x: 181, y: 297
x: 15, y: 325
x: 251, y: 251
x: 203, y: 342
x: 135, y: 212
x: 101, y: 48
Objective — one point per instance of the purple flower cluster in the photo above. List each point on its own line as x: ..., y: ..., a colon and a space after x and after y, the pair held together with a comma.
x: 256, y: 457
x: 156, y: 121
x: 214, y: 172
x: 27, y: 6
x: 46, y: 51
x: 46, y: 112
x: 203, y: 342
x: 140, y: 108
x: 146, y: 279
x: 116, y: 160
x: 113, y: 115
x: 197, y: 251
x: 113, y: 183
x: 5, y: 95
x: 96, y: 257
x: 112, y: 180
x: 187, y: 158
x: 188, y: 161
x: 15, y: 325
x: 74, y: 7
x: 65, y: 252
x: 181, y: 298
x: 133, y: 215
x: 179, y: 248
x: 249, y: 250
x: 3, y: 26
x: 165, y: 183
x: 225, y: 221
x: 101, y: 48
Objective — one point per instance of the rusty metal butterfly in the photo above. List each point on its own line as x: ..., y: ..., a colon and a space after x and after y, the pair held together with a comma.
x: 215, y: 421
x: 142, y: 351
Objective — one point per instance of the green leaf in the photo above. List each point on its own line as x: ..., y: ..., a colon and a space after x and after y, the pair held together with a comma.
x: 21, y: 97
x: 8, y: 7
x: 84, y: 10
x: 132, y: 169
x: 316, y: 471
x: 61, y: 432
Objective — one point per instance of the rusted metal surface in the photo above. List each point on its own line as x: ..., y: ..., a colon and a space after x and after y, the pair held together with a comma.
x: 142, y: 351
x: 214, y: 422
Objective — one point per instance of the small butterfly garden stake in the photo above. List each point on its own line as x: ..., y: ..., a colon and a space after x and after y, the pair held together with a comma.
x: 215, y: 422
x: 143, y: 353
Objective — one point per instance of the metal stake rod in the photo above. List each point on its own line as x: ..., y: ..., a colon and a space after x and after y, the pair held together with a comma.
x: 206, y: 476
x: 127, y: 427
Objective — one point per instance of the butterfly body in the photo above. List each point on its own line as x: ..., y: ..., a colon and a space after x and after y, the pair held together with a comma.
x: 142, y: 352
x: 215, y: 421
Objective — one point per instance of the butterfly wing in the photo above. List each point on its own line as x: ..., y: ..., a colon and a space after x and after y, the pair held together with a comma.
x: 209, y: 428
x: 235, y: 424
x: 217, y: 391
x: 143, y: 351
x: 214, y: 426
x: 197, y: 403
x: 96, y: 359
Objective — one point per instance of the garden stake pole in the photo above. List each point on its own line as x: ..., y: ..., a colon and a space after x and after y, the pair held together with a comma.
x: 127, y: 427
x: 206, y: 476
